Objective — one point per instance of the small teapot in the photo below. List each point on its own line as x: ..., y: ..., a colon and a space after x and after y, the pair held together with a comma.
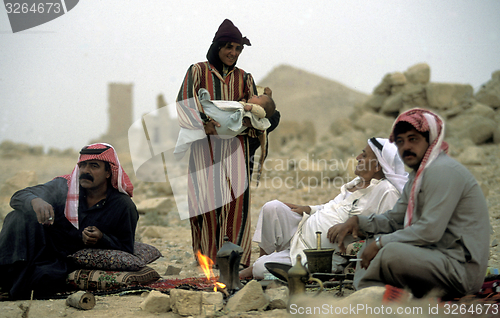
x: 298, y: 276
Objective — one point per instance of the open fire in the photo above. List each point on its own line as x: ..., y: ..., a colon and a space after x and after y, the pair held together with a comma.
x: 206, y: 265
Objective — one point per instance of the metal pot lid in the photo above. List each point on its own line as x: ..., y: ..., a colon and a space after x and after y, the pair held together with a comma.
x: 228, y: 247
x: 279, y: 270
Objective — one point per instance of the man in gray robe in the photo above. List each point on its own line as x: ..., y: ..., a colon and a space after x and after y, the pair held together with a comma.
x: 436, y: 238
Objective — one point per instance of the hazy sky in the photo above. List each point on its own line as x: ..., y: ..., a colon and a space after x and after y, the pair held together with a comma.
x: 54, y: 77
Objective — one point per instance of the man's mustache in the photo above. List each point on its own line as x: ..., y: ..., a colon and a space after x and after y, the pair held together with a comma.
x: 408, y: 153
x: 86, y: 176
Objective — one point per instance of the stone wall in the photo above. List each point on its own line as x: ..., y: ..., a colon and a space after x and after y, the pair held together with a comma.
x: 468, y: 116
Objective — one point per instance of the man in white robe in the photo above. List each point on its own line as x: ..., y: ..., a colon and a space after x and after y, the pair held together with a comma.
x: 283, y: 230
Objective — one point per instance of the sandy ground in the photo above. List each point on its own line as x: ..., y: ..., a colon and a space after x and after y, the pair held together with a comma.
x: 175, y: 241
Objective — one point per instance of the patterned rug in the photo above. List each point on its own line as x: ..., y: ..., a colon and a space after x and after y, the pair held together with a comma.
x: 193, y: 283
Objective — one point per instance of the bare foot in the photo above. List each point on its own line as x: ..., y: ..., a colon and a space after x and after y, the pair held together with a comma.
x: 246, y: 273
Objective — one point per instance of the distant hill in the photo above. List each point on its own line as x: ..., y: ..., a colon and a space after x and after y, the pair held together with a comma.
x: 303, y: 96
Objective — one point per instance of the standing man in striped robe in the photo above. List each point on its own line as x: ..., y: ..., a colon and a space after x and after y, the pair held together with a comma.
x: 219, y: 169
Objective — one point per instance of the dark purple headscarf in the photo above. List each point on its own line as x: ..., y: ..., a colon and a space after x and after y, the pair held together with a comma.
x: 227, y: 32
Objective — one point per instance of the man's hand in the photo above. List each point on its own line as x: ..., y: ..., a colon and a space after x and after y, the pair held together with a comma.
x: 210, y: 127
x: 338, y: 232
x: 300, y: 209
x: 368, y: 254
x: 44, y: 211
x: 91, y: 235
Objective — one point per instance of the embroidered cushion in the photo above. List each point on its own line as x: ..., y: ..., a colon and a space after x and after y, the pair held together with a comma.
x: 146, y: 252
x: 94, y: 279
x: 115, y: 260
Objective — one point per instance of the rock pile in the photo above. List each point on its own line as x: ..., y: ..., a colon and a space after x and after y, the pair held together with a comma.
x: 206, y: 303
x: 468, y: 116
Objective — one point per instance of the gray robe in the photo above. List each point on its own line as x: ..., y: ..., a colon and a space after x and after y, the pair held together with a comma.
x: 447, y: 245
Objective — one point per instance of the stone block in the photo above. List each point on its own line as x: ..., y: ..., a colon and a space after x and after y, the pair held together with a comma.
x: 473, y: 155
x: 477, y: 128
x: 375, y: 102
x: 397, y: 78
x: 414, y: 95
x: 480, y: 110
x: 278, y: 297
x: 489, y: 94
x: 156, y: 302
x: 185, y: 302
x: 393, y: 104
x: 418, y: 74
x: 384, y: 88
x: 446, y: 96
x: 250, y: 297
x: 194, y: 303
x: 172, y: 270
x: 374, y: 123
x: 211, y: 303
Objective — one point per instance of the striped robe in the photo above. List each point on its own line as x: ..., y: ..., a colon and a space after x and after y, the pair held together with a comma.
x: 219, y: 172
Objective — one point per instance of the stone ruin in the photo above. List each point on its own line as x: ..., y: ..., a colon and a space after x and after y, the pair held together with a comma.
x: 472, y: 120
x: 120, y: 112
x: 468, y: 116
x: 120, y: 109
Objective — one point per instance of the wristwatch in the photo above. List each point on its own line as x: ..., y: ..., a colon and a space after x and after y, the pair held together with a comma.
x: 378, y: 243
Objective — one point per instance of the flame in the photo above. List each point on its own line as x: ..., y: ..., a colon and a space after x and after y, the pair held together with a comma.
x: 206, y: 265
x: 220, y: 285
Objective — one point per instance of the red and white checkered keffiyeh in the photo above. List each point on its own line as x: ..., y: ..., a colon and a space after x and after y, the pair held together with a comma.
x: 119, y: 179
x: 423, y: 121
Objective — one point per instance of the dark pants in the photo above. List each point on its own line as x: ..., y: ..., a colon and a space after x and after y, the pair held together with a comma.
x: 32, y: 257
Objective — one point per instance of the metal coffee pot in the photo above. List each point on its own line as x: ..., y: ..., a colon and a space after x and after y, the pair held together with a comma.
x: 298, y: 276
x: 228, y: 261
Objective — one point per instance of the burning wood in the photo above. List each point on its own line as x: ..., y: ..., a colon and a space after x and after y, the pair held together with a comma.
x: 222, y: 288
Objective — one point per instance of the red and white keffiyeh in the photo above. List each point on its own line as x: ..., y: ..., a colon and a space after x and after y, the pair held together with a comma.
x: 119, y: 179
x: 423, y: 121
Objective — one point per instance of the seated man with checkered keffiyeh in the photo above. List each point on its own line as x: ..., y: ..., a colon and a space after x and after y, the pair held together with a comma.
x: 89, y: 208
